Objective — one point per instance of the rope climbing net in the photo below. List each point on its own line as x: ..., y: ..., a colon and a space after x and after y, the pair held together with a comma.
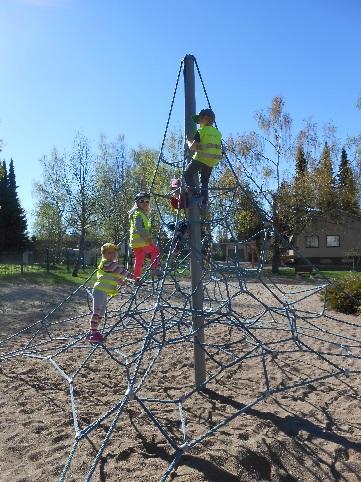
x: 262, y: 338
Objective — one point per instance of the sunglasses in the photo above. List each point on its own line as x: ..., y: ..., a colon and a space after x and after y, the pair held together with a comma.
x: 146, y: 201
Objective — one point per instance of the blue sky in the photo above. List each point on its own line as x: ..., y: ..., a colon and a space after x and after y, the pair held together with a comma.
x: 109, y: 67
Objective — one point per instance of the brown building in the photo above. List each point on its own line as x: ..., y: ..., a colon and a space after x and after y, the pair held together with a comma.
x: 230, y: 251
x: 242, y: 251
x: 330, y: 241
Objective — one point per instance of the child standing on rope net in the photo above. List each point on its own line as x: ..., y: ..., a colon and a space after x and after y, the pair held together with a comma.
x: 207, y: 144
x: 178, y: 200
x: 140, y: 237
x: 109, y: 275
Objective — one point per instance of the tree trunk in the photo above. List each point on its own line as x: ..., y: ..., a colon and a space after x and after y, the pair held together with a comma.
x: 80, y: 254
x: 276, y: 249
x: 276, y: 255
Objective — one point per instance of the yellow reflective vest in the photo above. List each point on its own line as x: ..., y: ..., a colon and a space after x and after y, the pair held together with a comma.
x: 106, y: 281
x: 136, y: 238
x: 209, y: 150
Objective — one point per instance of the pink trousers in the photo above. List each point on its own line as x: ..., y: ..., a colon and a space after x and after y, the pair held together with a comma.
x: 140, y: 254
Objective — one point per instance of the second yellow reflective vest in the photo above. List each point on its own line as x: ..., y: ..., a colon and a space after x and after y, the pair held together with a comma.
x: 136, y: 239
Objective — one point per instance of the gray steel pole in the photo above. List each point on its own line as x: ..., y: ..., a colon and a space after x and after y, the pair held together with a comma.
x: 195, y: 233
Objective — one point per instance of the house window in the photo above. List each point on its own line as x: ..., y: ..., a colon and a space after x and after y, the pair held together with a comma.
x: 333, y: 241
x: 311, y: 241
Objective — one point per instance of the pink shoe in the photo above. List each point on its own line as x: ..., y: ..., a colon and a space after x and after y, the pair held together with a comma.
x: 96, y: 337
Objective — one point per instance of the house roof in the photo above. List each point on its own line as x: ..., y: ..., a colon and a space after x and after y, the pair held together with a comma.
x: 335, y: 212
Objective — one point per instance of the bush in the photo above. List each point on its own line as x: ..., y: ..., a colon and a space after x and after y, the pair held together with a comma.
x: 345, y: 295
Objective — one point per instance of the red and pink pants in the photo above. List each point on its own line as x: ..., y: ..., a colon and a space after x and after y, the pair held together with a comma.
x: 140, y: 254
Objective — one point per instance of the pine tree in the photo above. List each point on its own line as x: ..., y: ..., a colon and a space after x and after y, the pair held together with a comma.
x: 301, y: 162
x: 14, y: 219
x: 302, y: 196
x: 346, y: 186
x: 325, y: 179
x: 3, y: 204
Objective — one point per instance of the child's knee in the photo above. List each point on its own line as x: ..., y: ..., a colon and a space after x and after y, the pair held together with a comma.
x: 95, y: 318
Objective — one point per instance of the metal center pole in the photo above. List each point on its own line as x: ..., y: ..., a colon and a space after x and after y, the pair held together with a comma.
x: 195, y: 232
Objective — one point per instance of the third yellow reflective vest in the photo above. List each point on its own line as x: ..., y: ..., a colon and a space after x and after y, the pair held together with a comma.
x: 136, y: 238
x: 210, y: 146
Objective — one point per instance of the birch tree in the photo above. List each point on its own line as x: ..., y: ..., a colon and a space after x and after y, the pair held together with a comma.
x: 114, y: 189
x: 81, y: 194
x: 52, y: 202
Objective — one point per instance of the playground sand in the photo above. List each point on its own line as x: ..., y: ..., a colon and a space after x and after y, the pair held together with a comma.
x: 311, y: 433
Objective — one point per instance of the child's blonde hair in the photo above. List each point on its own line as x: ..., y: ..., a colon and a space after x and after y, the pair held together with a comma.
x: 108, y: 247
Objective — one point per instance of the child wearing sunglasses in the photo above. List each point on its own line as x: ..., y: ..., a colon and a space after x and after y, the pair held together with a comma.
x: 140, y: 238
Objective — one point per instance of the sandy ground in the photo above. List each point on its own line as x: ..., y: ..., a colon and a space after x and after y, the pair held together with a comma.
x: 311, y: 433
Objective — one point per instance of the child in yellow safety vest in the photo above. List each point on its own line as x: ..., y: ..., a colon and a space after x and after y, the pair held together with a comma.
x: 109, y: 275
x: 207, y: 145
x: 140, y: 237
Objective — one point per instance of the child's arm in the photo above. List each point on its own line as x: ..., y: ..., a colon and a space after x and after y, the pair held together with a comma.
x: 115, y: 267
x: 193, y: 145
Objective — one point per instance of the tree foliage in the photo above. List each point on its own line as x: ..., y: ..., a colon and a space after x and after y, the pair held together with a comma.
x: 325, y: 182
x: 281, y: 178
x: 87, y: 193
x: 267, y: 152
x: 114, y: 188
x: 293, y: 173
x: 67, y: 197
x: 13, y: 224
x: 236, y: 202
x: 81, y: 193
x: 51, y: 206
x: 347, y: 193
x: 301, y: 162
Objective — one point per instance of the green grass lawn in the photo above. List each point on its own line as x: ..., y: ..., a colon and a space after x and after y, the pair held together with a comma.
x: 59, y: 274
x: 290, y: 273
x: 283, y: 271
x: 38, y: 275
x: 338, y: 274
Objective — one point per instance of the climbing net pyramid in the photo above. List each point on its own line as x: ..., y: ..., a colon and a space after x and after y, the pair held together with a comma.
x: 262, y: 338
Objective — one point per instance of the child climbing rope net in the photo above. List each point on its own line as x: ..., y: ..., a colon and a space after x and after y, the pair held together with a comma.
x: 252, y: 324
